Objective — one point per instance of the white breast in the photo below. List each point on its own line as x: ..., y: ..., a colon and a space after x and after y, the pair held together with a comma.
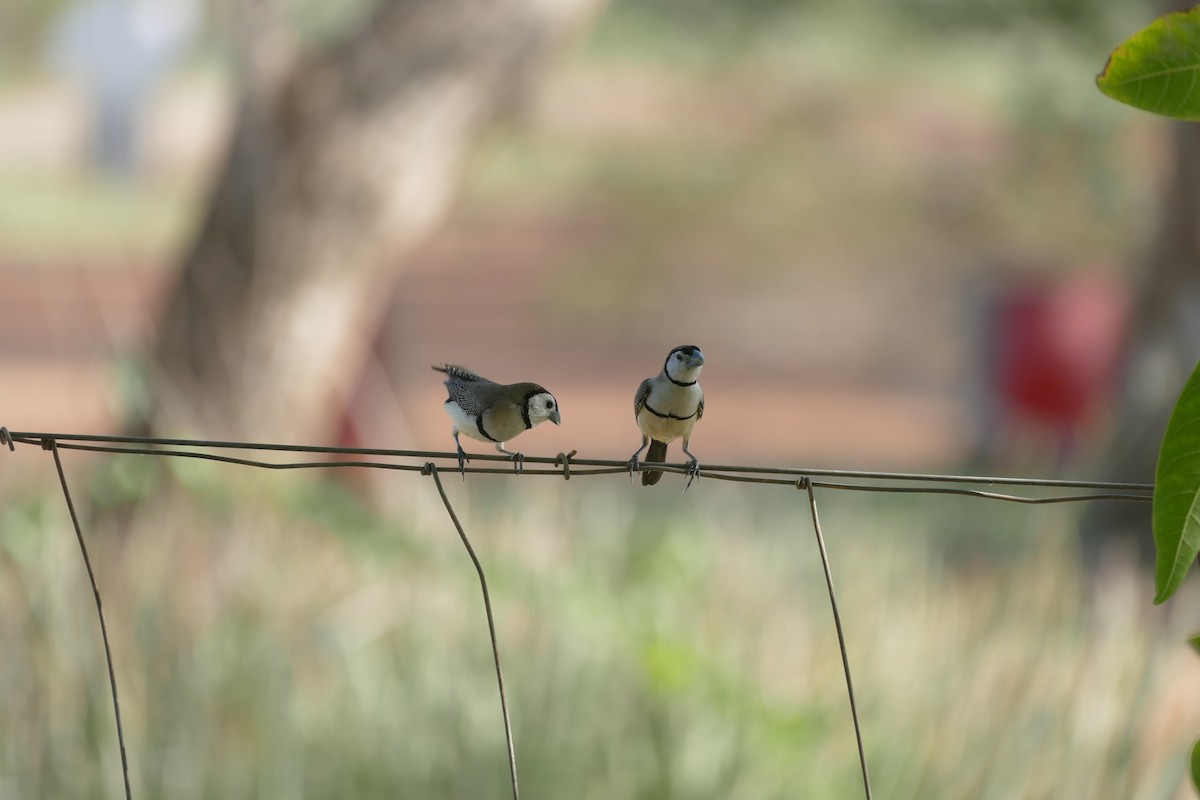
x: 679, y: 401
x: 502, y: 424
x: 464, y: 423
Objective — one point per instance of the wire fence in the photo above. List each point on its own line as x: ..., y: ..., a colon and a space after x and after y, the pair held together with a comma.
x: 565, y: 466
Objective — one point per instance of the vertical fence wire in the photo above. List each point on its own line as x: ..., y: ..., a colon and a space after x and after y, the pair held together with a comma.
x: 52, y: 446
x: 766, y: 475
x: 807, y: 486
x: 431, y: 469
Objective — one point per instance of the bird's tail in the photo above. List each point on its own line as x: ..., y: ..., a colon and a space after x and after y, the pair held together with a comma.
x: 455, y: 371
x: 657, y: 452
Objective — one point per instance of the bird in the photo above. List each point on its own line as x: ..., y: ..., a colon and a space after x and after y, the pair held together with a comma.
x: 667, y: 407
x: 494, y: 412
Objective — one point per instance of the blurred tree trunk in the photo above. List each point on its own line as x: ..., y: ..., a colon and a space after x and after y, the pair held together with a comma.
x: 340, y: 163
x: 1163, y: 349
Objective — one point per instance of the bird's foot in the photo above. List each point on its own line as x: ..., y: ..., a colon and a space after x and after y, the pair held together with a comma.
x: 518, y: 460
x: 693, y: 472
x: 633, y: 466
x: 462, y: 463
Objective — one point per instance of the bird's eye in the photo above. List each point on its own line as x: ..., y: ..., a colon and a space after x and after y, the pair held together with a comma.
x: 549, y: 404
x: 679, y: 356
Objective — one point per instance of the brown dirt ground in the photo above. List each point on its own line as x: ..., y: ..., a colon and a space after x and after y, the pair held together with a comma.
x: 62, y: 329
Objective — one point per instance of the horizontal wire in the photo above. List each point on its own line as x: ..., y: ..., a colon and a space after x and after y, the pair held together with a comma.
x: 991, y: 480
x: 1014, y: 498
x: 736, y: 474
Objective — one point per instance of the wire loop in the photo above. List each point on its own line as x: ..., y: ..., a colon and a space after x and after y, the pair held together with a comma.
x: 6, y: 438
x: 565, y: 460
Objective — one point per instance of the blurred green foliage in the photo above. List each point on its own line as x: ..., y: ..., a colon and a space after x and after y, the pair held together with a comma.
x: 784, y: 127
x: 655, y: 646
x: 1081, y: 21
x: 707, y: 31
x: 23, y: 24
x: 692, y: 29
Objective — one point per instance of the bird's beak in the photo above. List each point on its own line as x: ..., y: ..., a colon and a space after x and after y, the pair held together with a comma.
x: 696, y: 359
x: 555, y: 418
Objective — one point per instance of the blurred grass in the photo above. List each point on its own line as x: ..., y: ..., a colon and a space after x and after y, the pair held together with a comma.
x: 51, y: 216
x: 286, y: 641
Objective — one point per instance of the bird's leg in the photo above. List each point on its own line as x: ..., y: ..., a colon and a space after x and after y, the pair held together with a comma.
x: 518, y: 459
x: 633, y: 459
x: 462, y: 456
x: 693, y: 465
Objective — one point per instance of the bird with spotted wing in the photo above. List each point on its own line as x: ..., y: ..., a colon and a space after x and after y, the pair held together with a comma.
x: 494, y: 412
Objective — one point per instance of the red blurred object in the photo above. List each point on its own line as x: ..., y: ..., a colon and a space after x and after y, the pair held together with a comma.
x: 1055, y: 352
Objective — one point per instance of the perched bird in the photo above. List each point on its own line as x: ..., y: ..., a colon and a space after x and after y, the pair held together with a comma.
x: 494, y: 412
x: 667, y: 408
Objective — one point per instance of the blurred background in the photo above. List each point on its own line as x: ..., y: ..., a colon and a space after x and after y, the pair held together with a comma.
x: 910, y: 236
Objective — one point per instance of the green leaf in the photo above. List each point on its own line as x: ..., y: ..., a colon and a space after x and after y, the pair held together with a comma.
x: 1196, y: 764
x: 1194, y: 641
x: 1158, y: 68
x: 1177, y: 493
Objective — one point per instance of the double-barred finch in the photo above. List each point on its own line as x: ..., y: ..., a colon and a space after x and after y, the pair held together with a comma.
x: 494, y: 412
x: 667, y: 408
